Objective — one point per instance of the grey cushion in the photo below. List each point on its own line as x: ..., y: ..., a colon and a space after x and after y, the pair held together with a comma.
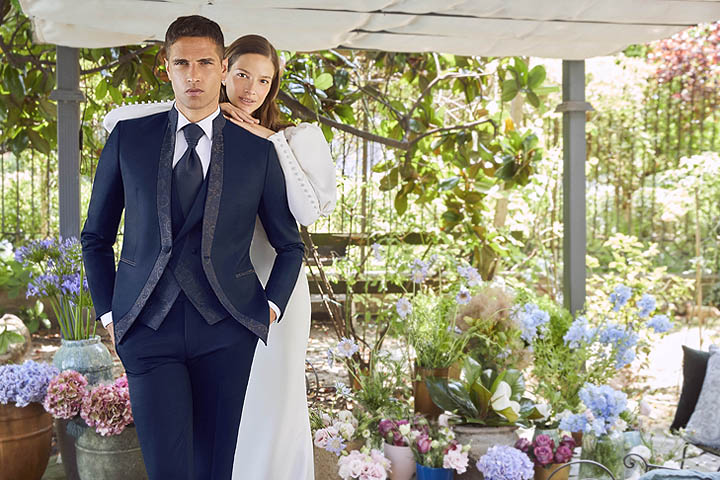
x: 704, y: 424
x: 663, y: 474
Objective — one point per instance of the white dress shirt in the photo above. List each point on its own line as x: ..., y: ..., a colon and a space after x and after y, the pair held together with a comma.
x: 203, y: 149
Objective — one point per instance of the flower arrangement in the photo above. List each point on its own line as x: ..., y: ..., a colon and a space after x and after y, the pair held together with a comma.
x: 543, y: 452
x: 397, y: 432
x: 56, y: 273
x: 336, y: 432
x: 105, y: 407
x: 436, y: 447
x: 26, y: 383
x: 65, y: 394
x: 365, y: 465
x: 503, y: 462
x: 602, y: 415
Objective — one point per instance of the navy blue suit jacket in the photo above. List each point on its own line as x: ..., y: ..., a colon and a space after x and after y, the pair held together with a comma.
x: 245, y: 179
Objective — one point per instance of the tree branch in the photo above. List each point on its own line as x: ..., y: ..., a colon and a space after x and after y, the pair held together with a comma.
x: 122, y: 59
x: 454, y: 127
x: 304, y: 113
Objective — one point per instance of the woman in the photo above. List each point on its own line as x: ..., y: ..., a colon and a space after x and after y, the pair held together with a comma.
x: 274, y: 441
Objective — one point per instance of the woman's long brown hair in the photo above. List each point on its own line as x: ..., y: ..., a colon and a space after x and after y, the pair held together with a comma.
x: 268, y: 113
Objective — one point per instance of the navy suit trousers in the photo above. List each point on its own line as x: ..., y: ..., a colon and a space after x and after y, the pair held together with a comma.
x: 187, y: 388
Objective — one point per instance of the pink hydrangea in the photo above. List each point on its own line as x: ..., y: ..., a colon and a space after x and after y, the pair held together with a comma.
x: 456, y: 459
x: 65, y: 394
x: 107, y: 409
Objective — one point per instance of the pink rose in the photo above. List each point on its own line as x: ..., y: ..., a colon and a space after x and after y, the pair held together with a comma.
x: 563, y: 454
x: 543, y: 454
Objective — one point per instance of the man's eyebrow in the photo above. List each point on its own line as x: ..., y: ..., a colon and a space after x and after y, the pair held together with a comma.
x: 208, y: 59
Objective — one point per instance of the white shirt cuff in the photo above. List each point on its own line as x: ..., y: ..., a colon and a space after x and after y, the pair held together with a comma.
x: 275, y: 309
x: 106, y: 319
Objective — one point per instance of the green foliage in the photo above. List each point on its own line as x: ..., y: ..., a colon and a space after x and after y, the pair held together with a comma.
x: 7, y: 338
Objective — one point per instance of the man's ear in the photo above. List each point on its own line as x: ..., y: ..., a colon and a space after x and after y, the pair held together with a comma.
x: 224, y: 65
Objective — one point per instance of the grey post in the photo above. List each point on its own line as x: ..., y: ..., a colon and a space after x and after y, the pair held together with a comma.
x: 573, y: 109
x: 68, y: 97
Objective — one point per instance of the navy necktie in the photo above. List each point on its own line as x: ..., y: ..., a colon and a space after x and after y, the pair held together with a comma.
x: 188, y: 174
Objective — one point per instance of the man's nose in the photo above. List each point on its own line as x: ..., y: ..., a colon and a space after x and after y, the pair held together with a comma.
x: 192, y: 75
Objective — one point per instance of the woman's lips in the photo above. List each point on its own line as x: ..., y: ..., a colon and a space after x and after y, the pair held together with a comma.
x: 247, y: 101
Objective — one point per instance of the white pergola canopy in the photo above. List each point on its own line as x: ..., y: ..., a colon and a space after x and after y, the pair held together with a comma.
x: 567, y: 29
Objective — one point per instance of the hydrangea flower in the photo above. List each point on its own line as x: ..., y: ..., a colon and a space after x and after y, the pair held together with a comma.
x: 403, y: 307
x: 463, y: 296
x: 579, y: 332
x: 364, y: 465
x: 503, y: 462
x: 660, y: 323
x: 532, y: 319
x: 107, y: 409
x: 646, y: 304
x: 620, y: 297
x: 26, y: 383
x: 346, y: 348
x: 65, y: 394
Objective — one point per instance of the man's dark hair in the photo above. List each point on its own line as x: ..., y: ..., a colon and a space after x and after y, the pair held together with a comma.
x: 194, y: 26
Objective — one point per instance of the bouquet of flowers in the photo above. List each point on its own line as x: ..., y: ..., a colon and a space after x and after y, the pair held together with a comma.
x: 336, y: 432
x: 26, y: 383
x: 397, y: 432
x: 365, y: 465
x: 56, y: 273
x: 503, y: 462
x: 602, y: 414
x: 436, y: 447
x: 106, y: 408
x: 543, y: 452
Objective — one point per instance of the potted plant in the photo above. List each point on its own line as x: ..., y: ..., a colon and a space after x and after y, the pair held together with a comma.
x: 602, y: 428
x: 488, y: 405
x: 364, y: 464
x: 109, y: 449
x: 547, y: 456
x: 332, y: 435
x: 396, y: 434
x: 437, y: 453
x: 56, y: 274
x: 25, y: 427
x: 503, y: 462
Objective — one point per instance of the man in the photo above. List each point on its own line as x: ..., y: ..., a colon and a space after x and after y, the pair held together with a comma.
x: 185, y: 307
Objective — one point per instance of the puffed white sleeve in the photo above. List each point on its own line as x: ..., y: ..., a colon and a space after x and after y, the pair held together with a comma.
x: 309, y: 170
x: 135, y: 110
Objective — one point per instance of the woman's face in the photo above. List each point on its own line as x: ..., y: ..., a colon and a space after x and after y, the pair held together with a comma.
x: 248, y: 81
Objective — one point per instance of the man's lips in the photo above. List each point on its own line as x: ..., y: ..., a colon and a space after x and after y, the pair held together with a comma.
x: 193, y: 91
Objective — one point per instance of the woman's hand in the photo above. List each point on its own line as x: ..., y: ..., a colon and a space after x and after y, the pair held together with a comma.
x: 244, y: 120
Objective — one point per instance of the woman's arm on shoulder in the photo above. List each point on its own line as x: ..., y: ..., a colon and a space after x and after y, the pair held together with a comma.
x: 309, y: 171
x: 135, y: 110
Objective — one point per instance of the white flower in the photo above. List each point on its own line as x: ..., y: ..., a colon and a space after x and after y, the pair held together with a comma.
x: 501, y: 398
x: 645, y: 408
x: 346, y: 430
x: 327, y: 421
x: 434, y: 444
x: 621, y: 425
x: 347, y: 417
x: 456, y: 459
x: 444, y: 420
x: 321, y: 438
x: 641, y: 450
x: 404, y: 429
x: 671, y: 464
x: 543, y: 409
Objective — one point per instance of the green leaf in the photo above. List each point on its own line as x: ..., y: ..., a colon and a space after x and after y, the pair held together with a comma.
x: 101, y: 90
x: 536, y: 77
x: 4, y: 343
x: 439, y: 390
x: 390, y: 181
x: 323, y: 81
x: 449, y: 183
x: 532, y: 98
x: 38, y: 142
x: 509, y: 90
x: 14, y: 337
x: 401, y: 203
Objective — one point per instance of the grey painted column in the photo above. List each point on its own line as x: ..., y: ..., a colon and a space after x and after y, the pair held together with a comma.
x: 68, y: 97
x: 573, y: 108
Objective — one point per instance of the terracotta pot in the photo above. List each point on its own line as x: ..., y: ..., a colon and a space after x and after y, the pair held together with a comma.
x: 480, y: 439
x: 423, y: 402
x: 25, y: 436
x: 402, y: 461
x: 577, y: 436
x: 543, y: 473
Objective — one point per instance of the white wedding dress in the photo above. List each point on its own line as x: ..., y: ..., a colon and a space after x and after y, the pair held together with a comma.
x: 274, y: 440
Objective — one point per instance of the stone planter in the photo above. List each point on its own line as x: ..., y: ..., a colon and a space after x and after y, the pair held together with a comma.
x: 423, y: 402
x: 480, y: 439
x: 114, y: 457
x: 25, y: 436
x: 92, y: 359
x: 402, y: 461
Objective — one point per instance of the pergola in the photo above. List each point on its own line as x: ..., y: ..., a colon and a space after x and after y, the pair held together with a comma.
x: 571, y: 30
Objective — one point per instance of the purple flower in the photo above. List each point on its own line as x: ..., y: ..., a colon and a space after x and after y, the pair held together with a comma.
x: 463, y: 297
x: 423, y: 444
x: 503, y: 462
x: 563, y: 454
x: 646, y: 304
x: 544, y: 441
x: 385, y: 426
x: 26, y: 383
x: 567, y: 441
x: 523, y: 444
x: 543, y: 454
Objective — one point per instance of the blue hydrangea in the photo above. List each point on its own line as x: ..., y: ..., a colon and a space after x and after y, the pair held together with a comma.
x: 579, y: 332
x: 532, y: 319
x: 26, y: 383
x: 646, y: 304
x: 576, y: 422
x: 620, y: 297
x: 660, y: 323
x: 503, y: 462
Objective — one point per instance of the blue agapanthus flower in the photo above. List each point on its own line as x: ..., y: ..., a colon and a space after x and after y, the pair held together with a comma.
x: 532, y: 320
x: 579, y: 332
x: 503, y: 462
x: 620, y: 296
x: 646, y: 304
x: 660, y: 323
